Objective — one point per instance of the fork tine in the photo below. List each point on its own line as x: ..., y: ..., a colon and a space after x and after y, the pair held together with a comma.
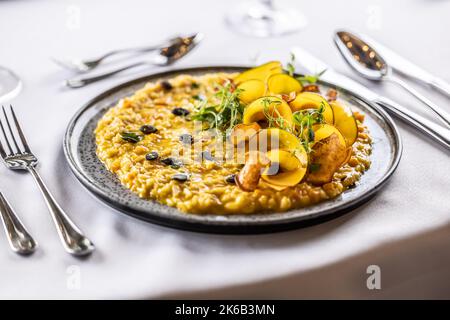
x: 6, y: 138
x: 10, y: 131
x: 19, y: 130
x: 2, y: 151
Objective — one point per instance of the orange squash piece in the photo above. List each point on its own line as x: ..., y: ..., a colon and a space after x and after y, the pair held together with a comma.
x: 251, y: 90
x: 262, y: 72
x: 345, y: 121
x: 312, y: 100
x: 283, y: 84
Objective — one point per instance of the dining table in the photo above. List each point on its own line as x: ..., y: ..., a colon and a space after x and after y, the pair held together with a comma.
x: 401, y: 235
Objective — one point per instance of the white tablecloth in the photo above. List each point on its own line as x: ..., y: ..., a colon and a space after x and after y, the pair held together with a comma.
x: 405, y: 229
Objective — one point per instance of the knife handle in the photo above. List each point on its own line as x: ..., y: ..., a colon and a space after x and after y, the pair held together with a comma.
x: 429, y: 128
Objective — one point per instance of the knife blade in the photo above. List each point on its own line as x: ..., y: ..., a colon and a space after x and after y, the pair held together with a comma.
x: 406, y: 67
x: 313, y: 65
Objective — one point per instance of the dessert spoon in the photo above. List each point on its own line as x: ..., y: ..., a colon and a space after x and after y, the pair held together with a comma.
x: 368, y: 63
x: 18, y: 237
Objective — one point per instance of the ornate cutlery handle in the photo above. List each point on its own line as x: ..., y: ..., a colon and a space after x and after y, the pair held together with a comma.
x: 126, y: 50
x: 441, y: 85
x: 72, y: 238
x: 443, y: 115
x: 435, y: 131
x: 82, y: 81
x: 18, y: 237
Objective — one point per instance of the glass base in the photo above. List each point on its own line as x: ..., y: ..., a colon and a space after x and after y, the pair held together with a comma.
x: 10, y: 84
x: 260, y: 19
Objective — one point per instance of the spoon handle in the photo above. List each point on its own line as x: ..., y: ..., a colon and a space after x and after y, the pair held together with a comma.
x: 430, y: 128
x: 71, y: 237
x: 443, y: 115
x: 19, y: 239
x: 441, y: 85
x: 126, y: 50
x: 82, y: 81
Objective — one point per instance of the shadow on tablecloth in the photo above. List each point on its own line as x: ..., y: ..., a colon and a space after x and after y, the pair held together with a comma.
x: 414, y: 268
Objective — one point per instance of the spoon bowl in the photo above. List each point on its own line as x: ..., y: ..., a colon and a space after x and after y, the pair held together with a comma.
x: 360, y: 56
x: 366, y: 61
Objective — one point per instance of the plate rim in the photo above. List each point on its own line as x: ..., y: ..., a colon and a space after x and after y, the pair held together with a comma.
x: 223, y: 226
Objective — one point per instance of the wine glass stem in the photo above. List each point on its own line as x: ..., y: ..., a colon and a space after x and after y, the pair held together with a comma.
x: 267, y: 3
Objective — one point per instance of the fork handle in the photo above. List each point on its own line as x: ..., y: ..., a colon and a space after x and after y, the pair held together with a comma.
x: 127, y: 50
x: 72, y: 238
x: 82, y: 81
x: 19, y: 239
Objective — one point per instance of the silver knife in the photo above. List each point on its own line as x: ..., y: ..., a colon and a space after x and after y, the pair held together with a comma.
x: 313, y: 65
x: 406, y: 67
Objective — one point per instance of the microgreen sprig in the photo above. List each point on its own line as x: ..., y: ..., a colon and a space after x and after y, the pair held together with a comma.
x: 273, y: 116
x: 224, y: 115
x: 304, y: 120
x: 307, y: 78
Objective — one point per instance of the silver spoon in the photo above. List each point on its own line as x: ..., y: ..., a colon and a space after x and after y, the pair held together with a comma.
x: 166, y: 56
x: 81, y: 66
x: 18, y: 237
x: 368, y: 63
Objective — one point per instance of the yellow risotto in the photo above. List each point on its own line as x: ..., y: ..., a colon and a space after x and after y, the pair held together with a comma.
x: 143, y: 139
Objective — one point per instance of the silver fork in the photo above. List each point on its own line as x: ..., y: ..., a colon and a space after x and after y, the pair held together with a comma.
x: 21, y: 158
x: 82, y: 66
x: 19, y: 239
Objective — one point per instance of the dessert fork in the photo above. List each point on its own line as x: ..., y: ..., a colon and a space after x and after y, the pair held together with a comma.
x: 21, y: 158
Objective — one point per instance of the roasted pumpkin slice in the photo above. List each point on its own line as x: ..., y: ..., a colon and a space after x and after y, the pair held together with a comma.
x: 312, y: 100
x: 251, y: 90
x: 345, y: 122
x: 268, y: 107
x: 283, y: 84
x: 323, y: 131
x: 265, y: 184
x: 262, y: 72
x: 286, y: 169
x: 275, y: 138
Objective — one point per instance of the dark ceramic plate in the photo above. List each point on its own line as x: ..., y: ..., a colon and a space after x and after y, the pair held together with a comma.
x: 79, y: 149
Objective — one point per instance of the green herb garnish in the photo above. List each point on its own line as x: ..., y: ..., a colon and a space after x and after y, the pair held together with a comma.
x: 132, y: 137
x: 195, y: 85
x: 304, y: 120
x: 307, y: 78
x: 224, y: 115
x: 290, y: 65
x: 274, y: 118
